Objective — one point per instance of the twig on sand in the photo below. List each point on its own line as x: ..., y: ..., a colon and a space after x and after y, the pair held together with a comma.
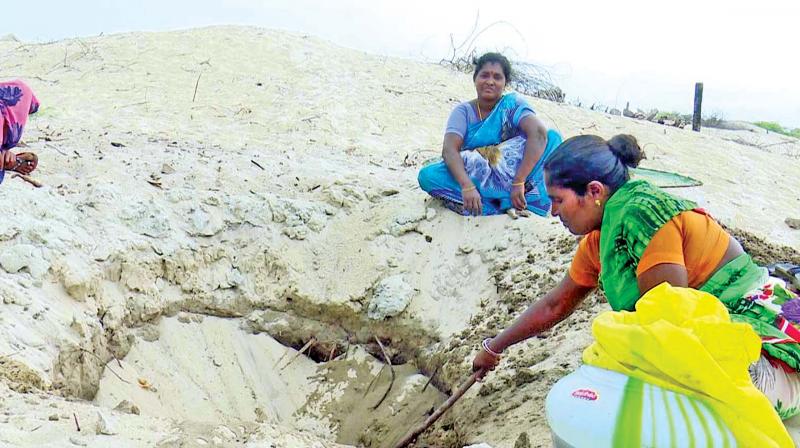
x: 77, y: 425
x: 333, y: 351
x: 391, y: 369
x: 10, y: 354
x: 48, y: 145
x: 257, y: 164
x: 106, y: 366
x: 773, y: 144
x: 130, y: 105
x: 29, y: 180
x: 195, y: 86
x: 308, y: 345
x: 374, y: 378
x: 435, y: 371
x: 285, y: 352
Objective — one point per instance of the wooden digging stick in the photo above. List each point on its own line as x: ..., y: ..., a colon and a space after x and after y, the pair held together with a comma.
x: 412, y: 435
x: 28, y: 179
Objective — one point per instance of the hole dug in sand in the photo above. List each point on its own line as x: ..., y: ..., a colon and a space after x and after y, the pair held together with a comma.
x: 209, y: 371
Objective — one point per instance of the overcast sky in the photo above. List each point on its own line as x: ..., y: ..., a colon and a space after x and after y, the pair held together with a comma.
x: 747, y: 54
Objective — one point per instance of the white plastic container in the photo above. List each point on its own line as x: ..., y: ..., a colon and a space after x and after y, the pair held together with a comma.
x: 585, y: 409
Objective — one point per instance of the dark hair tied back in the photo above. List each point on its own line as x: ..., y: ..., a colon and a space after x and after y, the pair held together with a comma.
x: 626, y: 148
x: 586, y: 158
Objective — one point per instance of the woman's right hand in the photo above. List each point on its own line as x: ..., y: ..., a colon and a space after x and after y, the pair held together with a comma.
x: 9, y: 160
x: 484, y: 363
x: 472, y: 200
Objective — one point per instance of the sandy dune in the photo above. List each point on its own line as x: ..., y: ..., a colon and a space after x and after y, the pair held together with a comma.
x: 216, y: 198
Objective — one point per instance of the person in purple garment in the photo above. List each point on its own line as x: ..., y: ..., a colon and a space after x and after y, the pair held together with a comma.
x: 17, y: 101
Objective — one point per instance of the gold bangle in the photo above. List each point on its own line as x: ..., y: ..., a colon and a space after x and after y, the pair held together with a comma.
x: 464, y: 190
x: 518, y: 184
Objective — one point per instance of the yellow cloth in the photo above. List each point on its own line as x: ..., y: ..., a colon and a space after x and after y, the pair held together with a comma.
x: 683, y: 340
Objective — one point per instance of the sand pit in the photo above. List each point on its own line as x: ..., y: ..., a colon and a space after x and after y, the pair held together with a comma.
x: 187, y: 244
x: 252, y: 378
x: 242, y: 378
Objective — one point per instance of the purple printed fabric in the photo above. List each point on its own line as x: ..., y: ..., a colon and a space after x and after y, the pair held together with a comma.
x: 16, y: 103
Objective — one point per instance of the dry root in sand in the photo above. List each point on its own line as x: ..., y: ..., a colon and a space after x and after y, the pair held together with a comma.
x: 391, y: 369
x: 308, y: 345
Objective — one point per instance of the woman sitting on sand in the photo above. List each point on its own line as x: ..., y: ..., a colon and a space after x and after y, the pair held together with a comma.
x: 638, y: 236
x: 16, y: 103
x: 493, y: 150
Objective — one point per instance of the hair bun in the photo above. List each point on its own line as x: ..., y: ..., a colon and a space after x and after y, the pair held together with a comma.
x: 627, y: 149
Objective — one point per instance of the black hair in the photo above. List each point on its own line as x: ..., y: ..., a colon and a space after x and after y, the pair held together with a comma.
x: 492, y: 58
x: 584, y: 158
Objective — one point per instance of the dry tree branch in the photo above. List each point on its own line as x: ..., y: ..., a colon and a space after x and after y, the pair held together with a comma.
x: 461, y: 45
x: 530, y: 79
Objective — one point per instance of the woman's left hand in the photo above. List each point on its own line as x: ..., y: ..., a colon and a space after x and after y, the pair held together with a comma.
x: 518, y: 197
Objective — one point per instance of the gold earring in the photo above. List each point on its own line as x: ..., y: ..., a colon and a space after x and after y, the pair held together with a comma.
x: 597, y: 202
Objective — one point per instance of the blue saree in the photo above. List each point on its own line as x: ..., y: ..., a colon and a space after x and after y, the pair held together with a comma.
x: 492, y: 151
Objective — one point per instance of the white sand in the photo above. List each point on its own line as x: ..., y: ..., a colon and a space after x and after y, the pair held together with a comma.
x: 175, y: 218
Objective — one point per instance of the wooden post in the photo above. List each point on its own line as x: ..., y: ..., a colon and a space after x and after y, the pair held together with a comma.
x: 698, y: 101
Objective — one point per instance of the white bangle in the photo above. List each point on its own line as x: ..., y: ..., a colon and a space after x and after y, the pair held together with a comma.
x: 485, y: 345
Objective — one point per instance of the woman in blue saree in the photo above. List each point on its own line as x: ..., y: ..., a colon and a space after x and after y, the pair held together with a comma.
x: 494, y: 150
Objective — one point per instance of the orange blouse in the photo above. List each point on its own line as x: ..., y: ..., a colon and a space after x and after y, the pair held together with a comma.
x: 691, y: 239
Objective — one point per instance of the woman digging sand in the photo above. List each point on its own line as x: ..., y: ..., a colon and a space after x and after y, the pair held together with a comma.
x: 639, y: 242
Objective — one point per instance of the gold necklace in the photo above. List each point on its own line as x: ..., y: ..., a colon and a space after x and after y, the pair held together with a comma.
x: 478, y: 106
